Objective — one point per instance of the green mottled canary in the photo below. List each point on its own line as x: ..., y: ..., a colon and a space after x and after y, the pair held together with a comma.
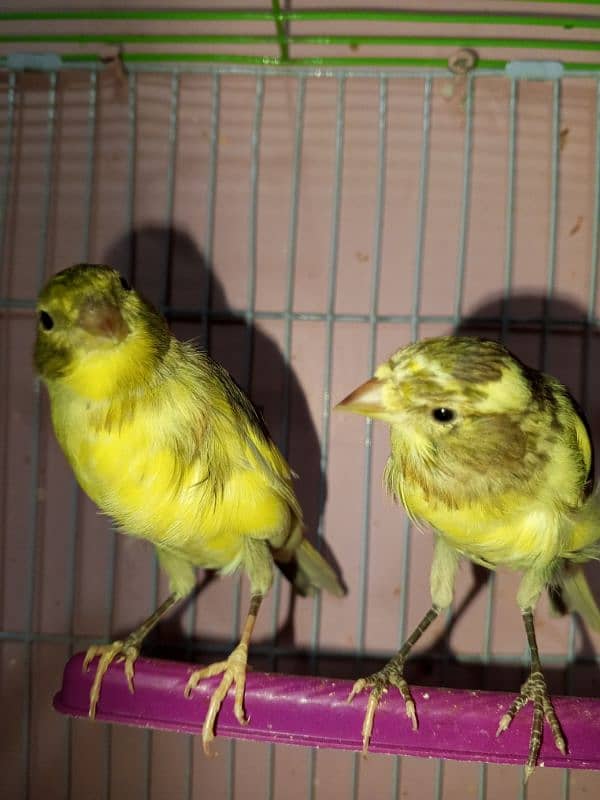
x: 495, y: 457
x: 163, y: 440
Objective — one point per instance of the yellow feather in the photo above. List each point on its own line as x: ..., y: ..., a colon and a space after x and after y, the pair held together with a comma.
x: 503, y: 474
x: 495, y: 457
x: 159, y: 435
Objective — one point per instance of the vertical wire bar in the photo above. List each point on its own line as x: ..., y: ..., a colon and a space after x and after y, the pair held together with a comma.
x: 328, y: 366
x: 75, y: 491
x: 281, y: 31
x: 368, y: 444
x: 211, y: 192
x: 85, y: 255
x: 171, y: 168
x: 551, y: 264
x: 89, y: 178
x: 249, y: 345
x: 465, y: 207
x: 586, y: 362
x: 553, y: 220
x: 131, y: 168
x: 167, y: 253
x: 462, y: 238
x: 504, y: 329
x: 165, y: 290
x: 8, y: 144
x: 287, y: 354
x: 130, y: 217
x: 283, y: 441
x: 252, y: 228
x: 458, y: 302
x: 291, y: 258
x: 508, y: 280
x: 595, y: 254
x: 415, y: 325
x: 4, y: 285
x: 414, y: 333
x: 463, y: 232
x: 414, y: 322
x: 510, y: 208
x: 550, y: 285
x: 331, y: 293
x: 32, y: 533
x: 208, y: 251
x: 373, y: 306
x: 465, y: 204
x: 422, y: 210
x: 128, y: 271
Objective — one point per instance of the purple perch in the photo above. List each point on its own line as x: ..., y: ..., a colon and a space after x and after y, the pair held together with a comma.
x: 455, y: 724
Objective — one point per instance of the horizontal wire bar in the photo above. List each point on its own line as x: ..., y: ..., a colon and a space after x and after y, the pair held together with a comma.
x: 239, y: 316
x: 320, y: 40
x: 317, y: 63
x: 251, y: 65
x: 300, y: 653
x: 307, y: 15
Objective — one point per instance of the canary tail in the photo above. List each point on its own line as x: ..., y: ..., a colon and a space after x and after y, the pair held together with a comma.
x: 316, y: 570
x: 577, y: 596
x: 308, y: 571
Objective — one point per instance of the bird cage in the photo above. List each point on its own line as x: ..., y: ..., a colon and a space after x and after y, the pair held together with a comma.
x: 302, y: 188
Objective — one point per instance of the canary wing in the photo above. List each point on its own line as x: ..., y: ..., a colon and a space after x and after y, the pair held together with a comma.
x: 300, y: 562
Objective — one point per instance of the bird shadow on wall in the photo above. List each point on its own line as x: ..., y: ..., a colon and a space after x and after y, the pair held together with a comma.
x: 167, y: 267
x: 551, y: 334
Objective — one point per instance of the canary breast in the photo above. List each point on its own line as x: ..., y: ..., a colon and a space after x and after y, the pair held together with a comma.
x: 134, y: 475
x: 511, y: 531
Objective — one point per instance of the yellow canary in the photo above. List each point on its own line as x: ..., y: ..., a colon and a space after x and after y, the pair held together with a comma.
x: 496, y: 458
x: 163, y: 440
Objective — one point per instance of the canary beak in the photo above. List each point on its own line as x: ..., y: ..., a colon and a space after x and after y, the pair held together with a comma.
x: 366, y: 400
x: 103, y: 319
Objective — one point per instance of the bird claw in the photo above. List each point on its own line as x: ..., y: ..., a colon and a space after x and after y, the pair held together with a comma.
x: 357, y: 688
x: 503, y: 724
x: 234, y: 671
x: 378, y: 683
x: 535, y: 689
x: 118, y: 651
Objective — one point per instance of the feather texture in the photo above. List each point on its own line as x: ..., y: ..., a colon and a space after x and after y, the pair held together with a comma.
x: 494, y: 455
x: 162, y: 439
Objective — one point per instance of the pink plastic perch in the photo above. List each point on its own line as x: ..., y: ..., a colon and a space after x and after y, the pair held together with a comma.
x: 455, y: 724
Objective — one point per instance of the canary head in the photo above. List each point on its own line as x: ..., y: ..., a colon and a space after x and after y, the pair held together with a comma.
x: 90, y: 320
x: 457, y: 402
x: 436, y: 383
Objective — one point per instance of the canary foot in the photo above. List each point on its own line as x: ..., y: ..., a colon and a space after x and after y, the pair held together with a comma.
x: 535, y: 689
x: 392, y: 674
x: 234, y: 671
x: 126, y: 651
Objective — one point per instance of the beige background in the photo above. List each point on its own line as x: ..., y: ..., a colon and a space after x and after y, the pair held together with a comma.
x: 68, y: 580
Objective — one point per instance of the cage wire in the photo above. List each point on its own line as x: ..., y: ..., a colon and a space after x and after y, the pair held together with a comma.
x: 302, y: 216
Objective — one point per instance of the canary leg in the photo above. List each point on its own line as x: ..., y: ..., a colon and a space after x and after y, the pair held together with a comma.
x: 534, y: 689
x: 234, y: 671
x: 126, y: 651
x: 392, y: 674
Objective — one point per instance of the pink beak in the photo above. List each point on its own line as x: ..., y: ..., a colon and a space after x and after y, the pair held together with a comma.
x: 367, y: 399
x: 103, y: 319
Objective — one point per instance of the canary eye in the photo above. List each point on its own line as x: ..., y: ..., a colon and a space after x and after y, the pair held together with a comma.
x: 443, y: 414
x: 46, y: 321
x: 125, y: 284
